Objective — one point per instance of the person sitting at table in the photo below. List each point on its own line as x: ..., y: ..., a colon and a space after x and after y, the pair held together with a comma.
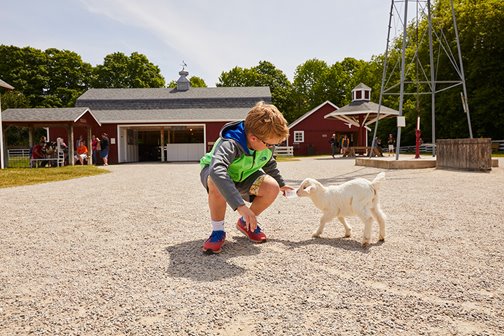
x: 82, y: 153
x: 37, y: 153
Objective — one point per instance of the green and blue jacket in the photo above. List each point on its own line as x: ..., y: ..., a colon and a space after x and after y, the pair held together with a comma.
x: 231, y: 161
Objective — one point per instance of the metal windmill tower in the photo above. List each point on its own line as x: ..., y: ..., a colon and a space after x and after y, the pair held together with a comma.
x: 422, y: 9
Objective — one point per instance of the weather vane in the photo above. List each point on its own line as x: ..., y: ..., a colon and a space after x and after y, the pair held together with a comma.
x: 183, y: 65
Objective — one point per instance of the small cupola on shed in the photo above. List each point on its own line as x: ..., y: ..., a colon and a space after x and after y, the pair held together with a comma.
x: 183, y: 83
x: 361, y: 92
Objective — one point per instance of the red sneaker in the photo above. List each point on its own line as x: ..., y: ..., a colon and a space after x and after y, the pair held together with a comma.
x: 257, y: 236
x: 214, y: 243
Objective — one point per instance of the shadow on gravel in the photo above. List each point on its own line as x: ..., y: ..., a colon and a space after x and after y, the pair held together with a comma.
x: 341, y: 243
x: 187, y: 260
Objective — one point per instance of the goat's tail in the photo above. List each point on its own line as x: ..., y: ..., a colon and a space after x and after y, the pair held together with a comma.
x: 377, y: 181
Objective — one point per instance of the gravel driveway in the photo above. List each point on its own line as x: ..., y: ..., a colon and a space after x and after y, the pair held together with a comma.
x: 120, y: 254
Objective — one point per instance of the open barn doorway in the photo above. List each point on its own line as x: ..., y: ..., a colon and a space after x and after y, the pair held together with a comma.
x: 140, y: 143
x: 149, y: 142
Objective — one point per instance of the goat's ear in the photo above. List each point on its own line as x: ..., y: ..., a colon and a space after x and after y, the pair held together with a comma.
x: 308, y: 189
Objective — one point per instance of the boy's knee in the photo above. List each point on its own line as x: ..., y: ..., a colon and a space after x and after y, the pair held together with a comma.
x: 270, y: 186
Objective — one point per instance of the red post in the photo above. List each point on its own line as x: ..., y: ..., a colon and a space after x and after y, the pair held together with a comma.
x: 418, y: 135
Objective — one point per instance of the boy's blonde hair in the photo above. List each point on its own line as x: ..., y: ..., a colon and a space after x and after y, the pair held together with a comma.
x: 265, y: 121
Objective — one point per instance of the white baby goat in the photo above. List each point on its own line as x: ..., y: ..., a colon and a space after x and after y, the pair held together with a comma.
x: 358, y: 197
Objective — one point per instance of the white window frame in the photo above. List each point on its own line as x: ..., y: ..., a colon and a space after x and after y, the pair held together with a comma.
x: 299, y: 134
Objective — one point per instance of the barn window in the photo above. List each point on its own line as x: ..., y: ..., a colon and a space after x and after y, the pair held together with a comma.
x: 298, y: 136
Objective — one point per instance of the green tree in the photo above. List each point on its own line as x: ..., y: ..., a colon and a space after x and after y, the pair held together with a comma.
x: 51, y: 78
x: 121, y: 71
x: 264, y: 74
x: 26, y: 70
x: 14, y: 99
x: 315, y: 82
x: 197, y: 82
x: 309, y: 88
x: 481, y: 31
x: 353, y: 74
x: 335, y: 86
x: 68, y: 78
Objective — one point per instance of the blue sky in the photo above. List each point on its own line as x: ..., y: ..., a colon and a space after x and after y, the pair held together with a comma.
x: 211, y: 36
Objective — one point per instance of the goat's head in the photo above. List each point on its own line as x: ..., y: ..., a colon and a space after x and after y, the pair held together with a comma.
x: 308, y: 187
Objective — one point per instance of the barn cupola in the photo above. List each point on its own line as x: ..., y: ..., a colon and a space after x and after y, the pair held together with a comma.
x: 183, y: 83
x: 361, y: 92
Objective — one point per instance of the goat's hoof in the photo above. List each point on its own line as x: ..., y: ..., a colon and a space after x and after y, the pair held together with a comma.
x: 315, y: 235
x: 365, y: 243
x: 381, y: 239
x: 347, y: 235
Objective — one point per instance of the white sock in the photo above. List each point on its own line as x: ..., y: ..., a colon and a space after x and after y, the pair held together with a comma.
x: 218, y: 225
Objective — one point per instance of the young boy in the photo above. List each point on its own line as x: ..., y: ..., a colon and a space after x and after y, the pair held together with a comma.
x: 240, y: 167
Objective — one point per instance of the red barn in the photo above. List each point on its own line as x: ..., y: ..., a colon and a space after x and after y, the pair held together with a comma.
x: 310, y: 133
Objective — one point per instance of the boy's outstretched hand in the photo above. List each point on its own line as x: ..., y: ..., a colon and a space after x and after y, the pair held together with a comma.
x: 250, y: 217
x: 285, y: 188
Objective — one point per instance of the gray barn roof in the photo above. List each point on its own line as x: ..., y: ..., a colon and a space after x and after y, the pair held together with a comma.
x: 169, y: 93
x: 171, y: 115
x: 167, y: 98
x: 41, y: 115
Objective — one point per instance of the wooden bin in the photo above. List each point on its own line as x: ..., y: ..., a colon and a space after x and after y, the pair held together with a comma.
x: 464, y: 154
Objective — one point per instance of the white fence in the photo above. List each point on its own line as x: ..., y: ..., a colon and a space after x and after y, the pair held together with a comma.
x: 20, y: 158
x: 284, y: 151
x: 16, y: 153
x: 498, y: 145
x: 17, y: 158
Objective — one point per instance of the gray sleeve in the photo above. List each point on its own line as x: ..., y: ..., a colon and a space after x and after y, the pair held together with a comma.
x: 271, y: 169
x: 223, y: 156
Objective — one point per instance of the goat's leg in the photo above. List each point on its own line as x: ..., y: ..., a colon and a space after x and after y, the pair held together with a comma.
x: 348, y: 228
x: 367, y: 218
x: 380, y: 218
x: 323, y: 220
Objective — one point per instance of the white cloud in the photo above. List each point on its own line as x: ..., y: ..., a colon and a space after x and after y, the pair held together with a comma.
x: 201, y: 47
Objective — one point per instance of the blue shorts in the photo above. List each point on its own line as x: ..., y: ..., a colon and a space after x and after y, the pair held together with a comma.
x: 104, y: 153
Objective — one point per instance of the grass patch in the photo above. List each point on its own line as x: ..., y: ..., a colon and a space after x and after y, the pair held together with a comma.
x: 286, y: 158
x: 13, y: 177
